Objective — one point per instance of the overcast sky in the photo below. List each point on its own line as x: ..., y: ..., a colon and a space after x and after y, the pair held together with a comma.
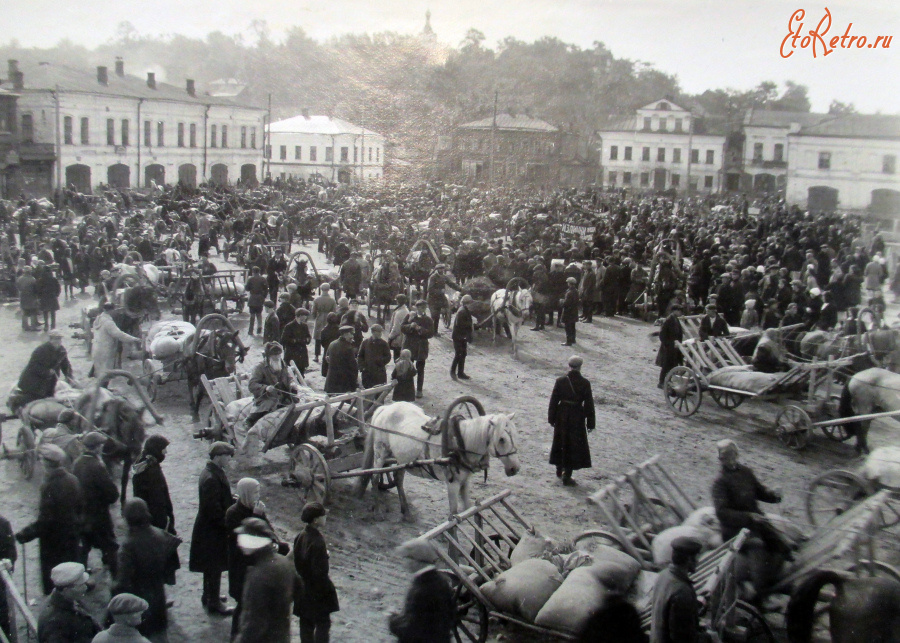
x: 707, y: 43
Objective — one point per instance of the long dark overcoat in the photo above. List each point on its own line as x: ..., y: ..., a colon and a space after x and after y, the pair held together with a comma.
x: 149, y: 484
x: 267, y: 600
x: 428, y: 611
x: 38, y: 380
x: 571, y: 412
x: 99, y: 493
x: 417, y: 329
x: 209, y: 540
x: 374, y: 356
x: 668, y: 356
x: 343, y: 371
x: 295, y: 338
x: 319, y: 597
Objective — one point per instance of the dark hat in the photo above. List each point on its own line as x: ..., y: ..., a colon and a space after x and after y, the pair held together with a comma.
x: 136, y: 512
x: 109, y: 306
x: 712, y: 307
x: 127, y: 604
x: 268, y: 303
x: 311, y: 511
x: 676, y: 305
x: 332, y: 318
x: 354, y: 302
x: 220, y: 448
x: 93, y: 440
x: 272, y: 348
x: 687, y: 545
x: 421, y: 302
x: 256, y: 527
x: 377, y: 328
x: 301, y: 311
x: 402, y: 299
x: 347, y: 328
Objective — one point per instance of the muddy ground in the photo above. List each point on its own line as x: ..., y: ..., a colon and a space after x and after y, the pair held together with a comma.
x: 633, y: 423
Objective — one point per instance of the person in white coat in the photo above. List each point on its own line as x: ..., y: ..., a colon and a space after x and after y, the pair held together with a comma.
x: 395, y: 338
x: 105, y: 343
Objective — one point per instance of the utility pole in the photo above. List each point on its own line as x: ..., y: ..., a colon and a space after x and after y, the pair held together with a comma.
x: 493, y: 139
x: 58, y: 151
x: 362, y: 148
x: 690, y: 153
x: 267, y: 141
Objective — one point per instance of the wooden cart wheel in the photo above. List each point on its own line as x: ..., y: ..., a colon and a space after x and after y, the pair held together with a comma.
x: 837, y: 432
x: 683, y: 391
x: 309, y: 470
x: 151, y: 380
x: 726, y: 399
x: 27, y: 450
x: 470, y: 623
x: 386, y: 481
x: 467, y: 406
x: 792, y: 426
x: 747, y: 625
x: 833, y: 493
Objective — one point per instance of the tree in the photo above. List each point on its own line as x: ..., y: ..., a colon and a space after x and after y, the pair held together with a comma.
x: 839, y: 108
x: 794, y: 98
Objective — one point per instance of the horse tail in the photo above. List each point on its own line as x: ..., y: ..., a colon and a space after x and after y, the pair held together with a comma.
x: 845, y: 409
x: 801, y: 608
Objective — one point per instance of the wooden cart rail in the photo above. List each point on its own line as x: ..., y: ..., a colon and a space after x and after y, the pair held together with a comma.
x: 19, y: 603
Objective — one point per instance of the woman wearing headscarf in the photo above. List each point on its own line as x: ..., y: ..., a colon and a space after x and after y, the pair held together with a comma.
x: 149, y: 483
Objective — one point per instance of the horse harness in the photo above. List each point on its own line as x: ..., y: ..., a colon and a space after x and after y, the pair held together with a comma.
x: 506, y: 304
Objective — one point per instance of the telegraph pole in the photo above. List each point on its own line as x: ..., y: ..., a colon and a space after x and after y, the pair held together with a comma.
x: 267, y: 141
x: 493, y: 138
x: 690, y: 153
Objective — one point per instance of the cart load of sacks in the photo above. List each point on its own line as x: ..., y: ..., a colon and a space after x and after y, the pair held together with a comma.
x: 168, y: 339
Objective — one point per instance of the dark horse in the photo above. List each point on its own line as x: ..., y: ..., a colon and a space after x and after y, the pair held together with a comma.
x: 863, y: 610
x: 216, y: 354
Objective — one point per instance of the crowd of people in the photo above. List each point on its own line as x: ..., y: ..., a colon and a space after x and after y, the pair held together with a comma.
x: 581, y: 252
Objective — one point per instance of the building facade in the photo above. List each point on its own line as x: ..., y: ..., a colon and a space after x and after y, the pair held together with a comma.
x: 310, y: 146
x: 848, y: 163
x: 123, y: 131
x: 662, y: 147
x: 10, y: 186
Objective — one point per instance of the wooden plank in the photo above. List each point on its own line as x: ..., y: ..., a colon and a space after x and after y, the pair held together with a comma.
x: 218, y: 408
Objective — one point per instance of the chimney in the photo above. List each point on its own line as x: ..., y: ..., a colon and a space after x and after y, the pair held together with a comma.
x: 120, y: 67
x: 191, y: 89
x: 13, y: 67
x: 305, y: 112
x: 151, y: 80
x: 18, y: 80
x: 102, y: 75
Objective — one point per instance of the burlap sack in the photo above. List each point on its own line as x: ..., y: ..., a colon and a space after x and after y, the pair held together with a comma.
x: 524, y: 588
x: 570, y: 607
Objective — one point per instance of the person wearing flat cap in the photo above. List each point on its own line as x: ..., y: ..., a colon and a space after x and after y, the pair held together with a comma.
x: 126, y: 611
x: 438, y: 282
x: 209, y: 539
x: 356, y: 319
x: 569, y: 306
x: 65, y: 618
x: 417, y: 328
x: 668, y: 356
x: 571, y: 413
x: 428, y: 611
x: 374, y: 356
x: 60, y: 515
x: 675, y: 616
x: 713, y: 324
x: 463, y: 330
x: 269, y: 586
x: 295, y: 337
x: 318, y: 598
x: 48, y: 362
x: 270, y: 383
x: 343, y: 369
x: 100, y: 493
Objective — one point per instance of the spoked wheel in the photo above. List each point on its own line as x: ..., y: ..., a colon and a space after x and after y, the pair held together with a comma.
x: 726, y: 399
x: 837, y: 432
x: 876, y: 569
x: 386, y: 481
x: 151, y: 380
x: 747, y: 625
x: 310, y: 472
x: 25, y: 446
x: 833, y: 493
x: 683, y: 391
x: 470, y: 624
x: 792, y: 426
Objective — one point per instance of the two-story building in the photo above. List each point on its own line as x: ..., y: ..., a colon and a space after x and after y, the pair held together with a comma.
x: 123, y: 131
x: 9, y: 149
x: 846, y: 162
x: 315, y: 146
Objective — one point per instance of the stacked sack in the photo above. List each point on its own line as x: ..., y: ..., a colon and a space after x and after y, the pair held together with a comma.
x: 166, y: 339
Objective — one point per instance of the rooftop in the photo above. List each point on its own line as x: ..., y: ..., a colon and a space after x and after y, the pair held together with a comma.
x: 521, y: 122
x: 774, y: 118
x: 856, y: 126
x: 315, y: 124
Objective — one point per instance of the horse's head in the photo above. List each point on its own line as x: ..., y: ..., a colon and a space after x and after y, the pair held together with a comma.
x: 229, y: 349
x: 504, y: 441
x: 525, y: 302
x: 124, y: 424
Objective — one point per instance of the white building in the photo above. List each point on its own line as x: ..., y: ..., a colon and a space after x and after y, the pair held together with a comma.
x: 848, y: 163
x: 126, y: 131
x: 662, y: 146
x: 323, y: 147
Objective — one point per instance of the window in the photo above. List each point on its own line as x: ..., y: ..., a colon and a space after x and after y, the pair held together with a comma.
x: 612, y: 178
x: 707, y: 181
x: 355, y: 153
x: 313, y: 153
x: 329, y: 155
x: 147, y: 130
x: 378, y: 155
x: 676, y: 155
x: 664, y: 106
x: 679, y: 124
x: 110, y: 131
x: 180, y: 134
x: 193, y: 135
x: 710, y: 157
x: 160, y: 134
x: 889, y: 164
x: 253, y: 138
x: 213, y: 131
x: 224, y: 136
x: 244, y: 138
x: 663, y: 125
x: 645, y: 179
x: 645, y: 154
x: 125, y: 127
x: 676, y: 180
x: 779, y: 152
x: 757, y: 151
x: 626, y: 178
x: 85, y: 131
x: 282, y: 152
x: 824, y: 160
x: 695, y: 156
x: 297, y: 151
x: 613, y: 152
x: 268, y: 151
x: 661, y: 155
x: 345, y: 154
x: 27, y: 128
x: 647, y: 123
x: 627, y: 153
x: 67, y: 130
x: 370, y: 155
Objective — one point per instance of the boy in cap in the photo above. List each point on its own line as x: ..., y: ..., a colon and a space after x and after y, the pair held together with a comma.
x: 428, y: 611
x: 374, y: 356
x: 271, y: 331
x: 99, y: 493
x: 712, y: 324
x: 463, y: 329
x: 315, y: 604
x: 676, y: 610
x: 65, y: 618
x: 126, y: 611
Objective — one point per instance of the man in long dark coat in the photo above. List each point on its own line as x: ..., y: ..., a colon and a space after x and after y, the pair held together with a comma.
x: 374, y: 356
x: 47, y: 362
x: 417, y: 328
x: 569, y: 314
x: 295, y: 337
x: 319, y: 598
x: 99, y: 493
x: 343, y: 369
x: 428, y: 611
x: 60, y: 515
x: 571, y: 412
x: 149, y: 483
x: 209, y: 540
x: 670, y: 332
x: 463, y: 329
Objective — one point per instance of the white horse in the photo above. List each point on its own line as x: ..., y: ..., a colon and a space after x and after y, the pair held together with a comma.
x: 397, y: 434
x: 512, y: 307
